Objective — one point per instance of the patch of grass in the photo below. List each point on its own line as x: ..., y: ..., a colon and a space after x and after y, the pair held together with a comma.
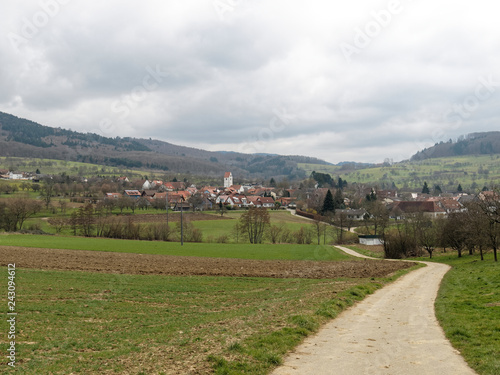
x: 468, y: 308
x: 240, y: 251
x: 77, y: 322
x: 259, y: 353
x: 366, y: 252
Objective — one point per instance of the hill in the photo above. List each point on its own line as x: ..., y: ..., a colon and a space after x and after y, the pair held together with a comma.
x: 472, y: 172
x: 24, y: 138
x: 486, y: 143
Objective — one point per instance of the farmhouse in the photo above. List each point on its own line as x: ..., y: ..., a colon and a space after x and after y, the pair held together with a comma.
x: 429, y: 208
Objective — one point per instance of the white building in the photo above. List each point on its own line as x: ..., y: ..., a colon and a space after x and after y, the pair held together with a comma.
x: 228, y: 179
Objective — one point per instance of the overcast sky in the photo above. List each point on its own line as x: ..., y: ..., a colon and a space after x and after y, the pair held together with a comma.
x: 342, y: 81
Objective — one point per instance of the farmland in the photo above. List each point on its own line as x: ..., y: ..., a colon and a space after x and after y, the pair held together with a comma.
x: 472, y: 172
x: 102, y: 322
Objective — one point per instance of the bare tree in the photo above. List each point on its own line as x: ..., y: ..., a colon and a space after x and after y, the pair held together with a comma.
x: 454, y: 231
x: 427, y: 233
x: 255, y: 222
x: 18, y: 210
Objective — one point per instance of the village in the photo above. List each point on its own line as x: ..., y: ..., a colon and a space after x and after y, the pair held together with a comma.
x: 305, y: 200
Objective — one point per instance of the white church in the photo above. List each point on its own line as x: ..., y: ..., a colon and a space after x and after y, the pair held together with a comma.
x: 228, y: 179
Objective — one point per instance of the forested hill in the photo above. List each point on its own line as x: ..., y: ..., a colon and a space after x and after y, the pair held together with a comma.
x: 24, y: 138
x: 473, y: 144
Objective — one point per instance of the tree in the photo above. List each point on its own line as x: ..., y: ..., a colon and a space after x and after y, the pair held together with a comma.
x: 46, y: 192
x: 377, y: 214
x: 275, y: 232
x: 338, y: 200
x: 85, y: 219
x: 477, y: 228
x: 319, y: 229
x: 222, y: 208
x: 328, y: 204
x: 272, y: 182
x: 489, y: 205
x: 425, y: 188
x: 254, y: 222
x: 437, y: 190
x: 454, y: 231
x: 17, y: 210
x: 340, y: 221
x: 459, y: 188
x: 427, y: 234
x: 196, y: 201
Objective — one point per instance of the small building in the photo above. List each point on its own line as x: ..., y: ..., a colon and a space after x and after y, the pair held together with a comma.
x: 135, y: 194
x: 370, y: 240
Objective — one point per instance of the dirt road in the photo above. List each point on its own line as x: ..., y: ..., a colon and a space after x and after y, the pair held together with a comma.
x: 394, y: 331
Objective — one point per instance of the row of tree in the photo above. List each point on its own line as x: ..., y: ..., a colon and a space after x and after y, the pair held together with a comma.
x: 476, y: 228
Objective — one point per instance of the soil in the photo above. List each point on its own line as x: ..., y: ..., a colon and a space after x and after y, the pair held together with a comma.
x: 142, y: 264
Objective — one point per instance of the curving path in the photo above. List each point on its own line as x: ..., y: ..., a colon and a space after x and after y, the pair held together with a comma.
x: 393, y: 331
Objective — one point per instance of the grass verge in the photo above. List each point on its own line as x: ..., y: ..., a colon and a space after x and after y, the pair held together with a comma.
x: 468, y: 308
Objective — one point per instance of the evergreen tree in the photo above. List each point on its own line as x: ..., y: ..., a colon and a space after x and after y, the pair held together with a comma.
x: 459, y: 188
x: 425, y: 188
x: 272, y: 182
x: 328, y: 204
x: 371, y: 197
x: 338, y: 200
x: 437, y: 190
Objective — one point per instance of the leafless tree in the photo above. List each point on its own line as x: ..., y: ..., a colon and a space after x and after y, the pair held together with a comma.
x: 255, y: 222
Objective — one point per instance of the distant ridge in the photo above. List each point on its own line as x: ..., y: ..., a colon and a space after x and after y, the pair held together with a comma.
x: 484, y: 143
x: 25, y: 138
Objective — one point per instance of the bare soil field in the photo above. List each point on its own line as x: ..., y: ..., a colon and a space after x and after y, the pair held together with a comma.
x: 142, y: 264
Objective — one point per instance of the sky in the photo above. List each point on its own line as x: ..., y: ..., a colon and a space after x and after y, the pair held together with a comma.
x: 360, y: 81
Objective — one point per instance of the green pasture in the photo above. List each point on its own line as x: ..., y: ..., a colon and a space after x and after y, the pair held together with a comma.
x: 472, y: 172
x: 78, y: 322
x: 216, y: 250
x: 468, y: 308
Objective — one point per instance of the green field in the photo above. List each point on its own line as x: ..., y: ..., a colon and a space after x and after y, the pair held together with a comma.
x: 77, y: 322
x: 241, y: 251
x: 468, y: 308
x: 71, y: 168
x: 472, y: 172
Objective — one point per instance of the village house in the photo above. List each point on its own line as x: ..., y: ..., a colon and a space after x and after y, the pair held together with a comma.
x: 135, y: 194
x: 352, y: 214
x: 113, y: 196
x: 429, y: 208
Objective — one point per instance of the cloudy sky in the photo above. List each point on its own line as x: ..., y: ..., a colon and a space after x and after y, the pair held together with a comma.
x: 359, y: 81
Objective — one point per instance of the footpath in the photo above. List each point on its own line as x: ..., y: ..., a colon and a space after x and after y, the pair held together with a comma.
x: 392, y: 332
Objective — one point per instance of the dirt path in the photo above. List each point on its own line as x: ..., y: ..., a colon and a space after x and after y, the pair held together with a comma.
x: 394, y: 331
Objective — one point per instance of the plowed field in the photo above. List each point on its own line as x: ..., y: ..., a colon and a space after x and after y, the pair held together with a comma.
x: 94, y: 261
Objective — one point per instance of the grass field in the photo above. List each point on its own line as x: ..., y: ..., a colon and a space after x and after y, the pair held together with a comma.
x: 468, y: 308
x: 52, y: 166
x: 76, y: 322
x: 241, y: 251
x: 472, y: 172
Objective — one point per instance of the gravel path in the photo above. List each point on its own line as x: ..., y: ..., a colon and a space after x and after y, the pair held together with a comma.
x: 393, y: 331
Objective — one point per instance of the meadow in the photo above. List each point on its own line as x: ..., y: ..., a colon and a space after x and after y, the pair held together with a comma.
x: 94, y: 323
x: 468, y: 309
x: 472, y: 172
x: 215, y: 250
